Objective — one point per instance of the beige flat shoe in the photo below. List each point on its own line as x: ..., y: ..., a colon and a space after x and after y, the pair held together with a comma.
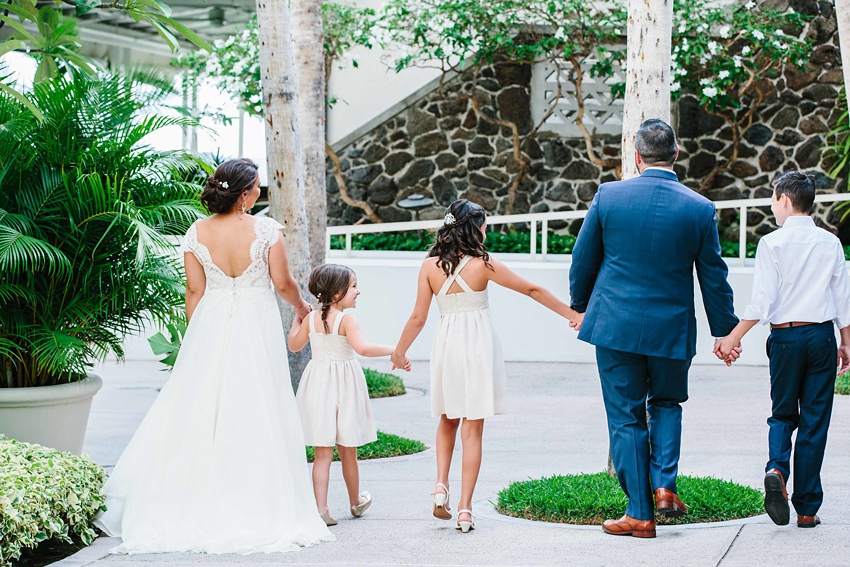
x: 329, y: 521
x: 358, y: 510
x: 440, y: 508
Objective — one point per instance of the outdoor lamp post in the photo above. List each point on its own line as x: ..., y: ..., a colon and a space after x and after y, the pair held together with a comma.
x: 416, y: 203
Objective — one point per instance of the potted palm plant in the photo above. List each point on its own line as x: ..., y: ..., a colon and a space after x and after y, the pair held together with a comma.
x: 86, y: 209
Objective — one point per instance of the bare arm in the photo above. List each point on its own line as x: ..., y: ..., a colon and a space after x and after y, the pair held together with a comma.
x: 351, y: 329
x: 844, y: 351
x: 505, y: 277
x: 284, y: 283
x: 417, y: 319
x: 196, y: 283
x: 299, y: 333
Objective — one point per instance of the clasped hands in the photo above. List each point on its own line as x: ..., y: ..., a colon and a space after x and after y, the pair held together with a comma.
x: 728, y: 349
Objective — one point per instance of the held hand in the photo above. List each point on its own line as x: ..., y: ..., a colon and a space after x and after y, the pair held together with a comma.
x: 843, y: 358
x: 303, y: 310
x: 576, y: 321
x: 400, y: 361
x: 727, y: 349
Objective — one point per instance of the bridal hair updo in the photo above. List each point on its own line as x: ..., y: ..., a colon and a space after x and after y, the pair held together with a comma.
x: 329, y: 283
x: 460, y: 236
x: 226, y: 185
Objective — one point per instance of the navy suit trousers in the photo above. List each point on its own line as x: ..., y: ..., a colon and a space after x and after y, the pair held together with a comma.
x: 645, y: 458
x: 802, y: 384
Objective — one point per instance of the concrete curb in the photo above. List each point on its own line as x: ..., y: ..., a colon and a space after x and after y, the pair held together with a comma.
x: 485, y: 509
x: 96, y: 551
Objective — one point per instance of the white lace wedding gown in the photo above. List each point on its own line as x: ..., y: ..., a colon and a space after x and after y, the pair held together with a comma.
x: 218, y: 464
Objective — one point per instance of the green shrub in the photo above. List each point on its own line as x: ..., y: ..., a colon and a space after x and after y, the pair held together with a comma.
x: 842, y: 384
x: 383, y: 384
x: 516, y: 242
x: 594, y: 498
x: 45, y: 495
x: 387, y: 445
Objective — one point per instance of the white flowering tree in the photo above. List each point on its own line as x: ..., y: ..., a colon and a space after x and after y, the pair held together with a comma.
x: 233, y: 66
x: 727, y: 60
x: 465, y: 36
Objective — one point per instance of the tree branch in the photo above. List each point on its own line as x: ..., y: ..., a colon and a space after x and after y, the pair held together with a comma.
x: 343, y: 188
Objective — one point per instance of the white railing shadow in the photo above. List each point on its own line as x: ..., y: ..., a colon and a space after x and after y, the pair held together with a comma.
x: 539, y: 224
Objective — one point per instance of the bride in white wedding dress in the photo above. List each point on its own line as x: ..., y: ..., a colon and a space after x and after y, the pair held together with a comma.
x: 218, y: 464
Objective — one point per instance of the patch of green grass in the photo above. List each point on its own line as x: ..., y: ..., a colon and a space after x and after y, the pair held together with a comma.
x: 387, y: 445
x: 594, y: 498
x: 382, y: 384
x: 842, y: 384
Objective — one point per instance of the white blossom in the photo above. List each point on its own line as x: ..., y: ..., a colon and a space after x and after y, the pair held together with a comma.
x: 738, y: 62
x: 750, y: 5
x: 724, y: 32
x: 757, y: 34
x: 713, y: 47
x: 723, y: 74
x: 675, y: 86
x: 710, y: 92
x: 705, y: 81
x: 746, y: 50
x: 682, y: 28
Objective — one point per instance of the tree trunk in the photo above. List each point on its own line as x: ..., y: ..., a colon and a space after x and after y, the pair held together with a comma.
x: 283, y: 150
x: 842, y: 14
x: 650, y: 29
x: 308, y: 53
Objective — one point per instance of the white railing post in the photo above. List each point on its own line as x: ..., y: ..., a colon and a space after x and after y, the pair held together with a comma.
x: 544, y: 239
x: 348, y: 243
x: 533, y: 239
x: 742, y: 235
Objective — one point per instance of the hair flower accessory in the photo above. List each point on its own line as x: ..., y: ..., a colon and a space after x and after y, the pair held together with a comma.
x: 224, y: 185
x: 449, y: 219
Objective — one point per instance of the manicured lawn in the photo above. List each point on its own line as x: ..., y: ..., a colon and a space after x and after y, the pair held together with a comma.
x: 387, y: 445
x: 594, y: 498
x: 382, y: 384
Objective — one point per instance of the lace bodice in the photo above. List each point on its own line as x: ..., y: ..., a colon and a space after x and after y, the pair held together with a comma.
x: 467, y: 300
x: 329, y: 346
x: 266, y: 231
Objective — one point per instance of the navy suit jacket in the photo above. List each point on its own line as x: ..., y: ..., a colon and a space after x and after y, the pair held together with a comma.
x: 633, y: 268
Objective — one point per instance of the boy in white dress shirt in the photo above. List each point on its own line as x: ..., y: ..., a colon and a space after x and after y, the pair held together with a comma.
x: 800, y: 287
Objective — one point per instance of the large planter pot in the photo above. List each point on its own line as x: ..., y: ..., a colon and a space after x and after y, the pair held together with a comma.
x: 53, y: 416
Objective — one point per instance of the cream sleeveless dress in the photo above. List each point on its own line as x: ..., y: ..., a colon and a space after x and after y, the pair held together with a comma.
x: 332, y: 396
x: 218, y: 463
x: 467, y: 368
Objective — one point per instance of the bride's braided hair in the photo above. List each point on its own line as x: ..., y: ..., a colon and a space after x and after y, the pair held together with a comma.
x: 329, y: 283
x: 460, y: 236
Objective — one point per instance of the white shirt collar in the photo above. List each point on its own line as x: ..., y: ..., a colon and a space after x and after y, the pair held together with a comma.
x: 798, y: 220
x: 667, y: 169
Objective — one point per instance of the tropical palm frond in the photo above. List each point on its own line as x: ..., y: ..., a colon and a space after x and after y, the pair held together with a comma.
x: 87, y: 212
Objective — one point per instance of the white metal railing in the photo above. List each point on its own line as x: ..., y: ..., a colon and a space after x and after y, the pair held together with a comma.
x: 539, y: 223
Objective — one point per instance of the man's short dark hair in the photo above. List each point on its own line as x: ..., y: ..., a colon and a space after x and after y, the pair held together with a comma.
x: 656, y: 142
x: 799, y: 188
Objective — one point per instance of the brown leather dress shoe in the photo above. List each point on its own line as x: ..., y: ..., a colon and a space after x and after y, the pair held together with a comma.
x: 629, y: 526
x: 668, y: 503
x: 807, y: 521
x: 776, y: 498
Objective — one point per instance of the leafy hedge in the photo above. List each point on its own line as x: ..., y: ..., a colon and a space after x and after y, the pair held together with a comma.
x: 45, y: 495
x: 496, y: 242
x: 383, y: 384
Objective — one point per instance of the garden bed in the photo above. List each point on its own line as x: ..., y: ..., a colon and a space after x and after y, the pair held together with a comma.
x: 590, y: 499
x: 842, y: 384
x: 383, y: 384
x: 47, y: 502
x: 387, y: 445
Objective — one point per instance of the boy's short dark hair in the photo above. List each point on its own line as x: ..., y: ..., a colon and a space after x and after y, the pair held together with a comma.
x: 799, y: 188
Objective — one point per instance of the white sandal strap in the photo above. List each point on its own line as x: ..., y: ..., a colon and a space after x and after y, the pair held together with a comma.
x: 443, y: 486
x: 465, y: 511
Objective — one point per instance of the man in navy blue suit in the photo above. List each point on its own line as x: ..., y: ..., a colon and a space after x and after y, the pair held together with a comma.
x: 632, y: 276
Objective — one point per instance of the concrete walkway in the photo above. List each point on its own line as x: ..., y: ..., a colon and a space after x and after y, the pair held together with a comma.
x: 555, y: 425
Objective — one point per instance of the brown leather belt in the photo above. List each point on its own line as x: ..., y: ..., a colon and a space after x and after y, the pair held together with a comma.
x: 792, y: 324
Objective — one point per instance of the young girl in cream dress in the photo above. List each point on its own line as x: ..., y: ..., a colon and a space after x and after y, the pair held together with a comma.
x: 467, y: 368
x: 332, y: 396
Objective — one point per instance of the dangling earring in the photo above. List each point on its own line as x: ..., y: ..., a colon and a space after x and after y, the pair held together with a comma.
x: 243, y: 206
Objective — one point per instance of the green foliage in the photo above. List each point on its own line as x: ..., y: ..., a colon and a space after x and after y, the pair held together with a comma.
x: 44, y: 31
x: 85, y: 211
x: 233, y: 64
x: 594, y: 498
x: 730, y: 249
x: 721, y: 54
x: 170, y: 346
x: 387, y: 445
x: 383, y: 384
x: 842, y: 384
x: 45, y: 495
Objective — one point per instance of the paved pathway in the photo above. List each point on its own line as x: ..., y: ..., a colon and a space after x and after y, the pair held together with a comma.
x: 555, y: 425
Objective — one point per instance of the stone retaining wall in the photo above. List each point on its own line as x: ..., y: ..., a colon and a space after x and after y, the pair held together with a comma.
x: 438, y: 147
